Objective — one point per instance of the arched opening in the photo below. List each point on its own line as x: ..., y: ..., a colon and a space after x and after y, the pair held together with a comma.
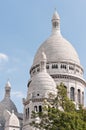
x: 79, y: 96
x: 72, y: 93
x: 40, y: 108
x: 27, y: 113
x: 35, y: 108
x: 82, y: 98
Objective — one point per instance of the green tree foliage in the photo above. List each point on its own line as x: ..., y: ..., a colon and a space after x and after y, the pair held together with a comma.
x: 59, y: 113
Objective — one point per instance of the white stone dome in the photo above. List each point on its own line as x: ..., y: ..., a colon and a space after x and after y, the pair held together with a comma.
x: 56, y: 47
x: 14, y: 121
x: 42, y: 83
x: 6, y: 104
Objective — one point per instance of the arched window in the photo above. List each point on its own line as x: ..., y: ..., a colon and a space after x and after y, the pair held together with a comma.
x: 27, y: 113
x: 47, y: 66
x: 79, y: 96
x: 40, y: 108
x: 82, y: 98
x: 38, y: 69
x: 35, y: 108
x: 63, y: 66
x: 71, y: 68
x: 55, y: 24
x: 72, y: 93
x: 54, y: 66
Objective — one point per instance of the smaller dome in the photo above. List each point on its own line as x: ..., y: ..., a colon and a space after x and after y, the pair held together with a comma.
x: 43, y: 80
x: 42, y: 83
x: 6, y: 104
x: 14, y: 121
x: 11, y: 119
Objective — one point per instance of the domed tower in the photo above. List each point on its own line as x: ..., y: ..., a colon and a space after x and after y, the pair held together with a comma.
x: 39, y: 88
x: 12, y: 121
x: 63, y: 63
x: 6, y: 103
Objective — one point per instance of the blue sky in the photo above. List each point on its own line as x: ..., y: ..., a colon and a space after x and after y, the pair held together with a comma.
x: 24, y: 25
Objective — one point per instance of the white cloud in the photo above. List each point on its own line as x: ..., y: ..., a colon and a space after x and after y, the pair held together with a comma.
x: 17, y: 94
x: 3, y: 57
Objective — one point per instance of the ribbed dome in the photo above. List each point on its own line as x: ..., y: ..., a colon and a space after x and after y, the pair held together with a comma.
x: 43, y: 83
x: 56, y: 47
x: 8, y: 104
x: 14, y: 121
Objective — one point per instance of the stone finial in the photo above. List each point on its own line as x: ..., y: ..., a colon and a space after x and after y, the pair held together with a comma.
x: 12, y: 111
x: 55, y: 22
x: 7, y: 89
x: 43, y: 62
x: 44, y: 58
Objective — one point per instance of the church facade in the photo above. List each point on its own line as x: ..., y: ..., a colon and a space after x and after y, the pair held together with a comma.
x: 56, y: 61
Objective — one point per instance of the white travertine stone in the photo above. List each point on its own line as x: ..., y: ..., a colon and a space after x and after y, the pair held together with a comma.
x: 12, y: 121
x: 41, y: 85
x: 63, y: 65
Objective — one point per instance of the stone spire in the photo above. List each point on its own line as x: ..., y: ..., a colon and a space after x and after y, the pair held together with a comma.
x: 7, y: 89
x: 43, y: 62
x: 55, y: 22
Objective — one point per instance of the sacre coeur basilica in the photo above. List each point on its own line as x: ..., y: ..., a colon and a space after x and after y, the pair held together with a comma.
x: 55, y: 61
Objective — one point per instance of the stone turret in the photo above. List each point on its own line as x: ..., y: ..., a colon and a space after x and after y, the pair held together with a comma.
x: 12, y: 121
x: 6, y: 104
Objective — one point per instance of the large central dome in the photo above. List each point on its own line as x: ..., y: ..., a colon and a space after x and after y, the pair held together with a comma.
x: 56, y: 47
